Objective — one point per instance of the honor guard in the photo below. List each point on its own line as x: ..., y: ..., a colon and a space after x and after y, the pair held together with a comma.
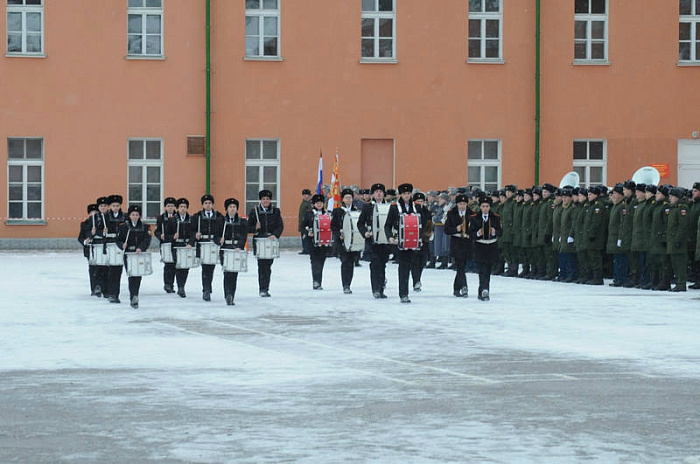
x: 265, y: 222
x: 208, y: 223
x: 567, y: 249
x: 317, y: 250
x: 346, y: 252
x: 84, y: 237
x: 166, y: 228
x: 614, y: 242
x: 639, y: 242
x: 304, y: 207
x: 134, y: 237
x: 677, y: 238
x: 115, y: 218
x: 457, y: 227
x: 184, y: 239
x: 371, y: 225
x: 234, y: 234
x: 484, y: 229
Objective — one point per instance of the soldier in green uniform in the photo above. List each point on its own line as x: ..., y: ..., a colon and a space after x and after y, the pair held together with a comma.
x: 630, y: 201
x: 556, y: 233
x: 567, y: 248
x: 648, y: 221
x: 615, y: 240
x: 537, y: 243
x: 693, y: 245
x: 549, y: 256
x: 579, y: 235
x: 677, y: 238
x: 507, y: 223
x: 594, y: 231
x: 658, y: 245
x: 526, y: 235
x: 497, y: 208
x: 517, y: 253
x: 638, y: 246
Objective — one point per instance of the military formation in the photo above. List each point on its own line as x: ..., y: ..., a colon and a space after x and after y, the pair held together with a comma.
x: 638, y: 235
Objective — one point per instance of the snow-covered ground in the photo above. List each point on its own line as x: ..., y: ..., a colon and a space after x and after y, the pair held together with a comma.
x: 544, y: 372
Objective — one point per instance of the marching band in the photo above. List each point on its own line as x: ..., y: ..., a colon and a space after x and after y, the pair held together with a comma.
x: 640, y: 234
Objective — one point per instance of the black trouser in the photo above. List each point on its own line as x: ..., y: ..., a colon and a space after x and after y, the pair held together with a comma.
x: 134, y: 286
x: 207, y: 276
x: 114, y: 277
x: 405, y: 258
x: 484, y: 275
x: 420, y: 257
x: 377, y: 266
x: 92, y: 273
x: 347, y: 265
x: 169, y: 274
x: 264, y: 273
x: 230, y: 281
x: 101, y: 278
x: 460, y: 252
x: 317, y: 255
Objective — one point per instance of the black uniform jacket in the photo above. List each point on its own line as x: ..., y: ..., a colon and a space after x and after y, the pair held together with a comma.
x: 166, y: 226
x: 485, y: 247
x: 270, y: 222
x: 185, y: 230
x: 337, y: 219
x: 234, y: 231
x: 307, y: 225
x: 209, y: 227
x: 85, y: 234
x: 364, y: 224
x: 114, y: 222
x: 136, y: 236
x: 391, y: 228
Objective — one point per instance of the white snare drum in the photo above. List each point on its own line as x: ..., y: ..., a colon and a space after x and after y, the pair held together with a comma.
x: 186, y: 258
x: 166, y: 253
x: 353, y: 240
x: 208, y: 252
x: 381, y: 211
x: 138, y: 264
x: 267, y: 248
x: 109, y: 255
x: 234, y: 261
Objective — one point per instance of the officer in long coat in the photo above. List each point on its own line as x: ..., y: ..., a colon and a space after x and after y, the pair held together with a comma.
x: 614, y: 241
x: 234, y: 234
x: 677, y: 238
x: 567, y: 248
x: 594, y: 226
x: 207, y: 223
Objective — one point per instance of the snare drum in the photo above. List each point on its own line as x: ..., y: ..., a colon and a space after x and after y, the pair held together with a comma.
x: 186, y: 258
x: 138, y: 264
x: 106, y: 255
x: 267, y: 248
x: 381, y: 211
x: 166, y: 253
x: 353, y: 240
x: 323, y: 236
x: 234, y: 260
x: 409, y: 232
x: 208, y: 252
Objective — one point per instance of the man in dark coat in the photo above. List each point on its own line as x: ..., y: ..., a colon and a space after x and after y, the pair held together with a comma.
x: 234, y: 233
x: 134, y: 237
x: 370, y: 225
x: 166, y: 228
x: 115, y: 218
x: 347, y: 258
x: 304, y: 206
x: 265, y: 222
x: 457, y: 227
x: 484, y: 229
x: 84, y: 237
x: 317, y: 252
x: 207, y: 223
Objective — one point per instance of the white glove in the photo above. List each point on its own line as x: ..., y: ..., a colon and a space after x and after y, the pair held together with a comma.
x: 619, y: 242
x: 559, y: 239
x: 570, y: 240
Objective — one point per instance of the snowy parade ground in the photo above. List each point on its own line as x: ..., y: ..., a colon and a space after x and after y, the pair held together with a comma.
x: 543, y: 373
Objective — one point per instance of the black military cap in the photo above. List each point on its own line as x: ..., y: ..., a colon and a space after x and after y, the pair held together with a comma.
x: 651, y: 188
x: 231, y: 201
x: 133, y: 208
x: 528, y: 191
x: 264, y: 193
x: 169, y: 201
x: 183, y: 201
x: 557, y: 192
x: 676, y: 192
x: 485, y: 199
x: 583, y: 191
x: 91, y: 207
x: 575, y: 191
x: 102, y: 201
x: 549, y: 187
x: 630, y: 185
x: 207, y: 197
x: 115, y: 199
x: 566, y: 192
x: 696, y: 186
x: 376, y: 187
x: 595, y: 190
x: 537, y: 191
x: 318, y: 197
x: 603, y: 189
x: 641, y: 187
x: 419, y: 196
x: 461, y: 198
x: 512, y: 188
x: 663, y: 190
x: 405, y: 188
x: 346, y: 191
x: 306, y: 192
x: 619, y: 188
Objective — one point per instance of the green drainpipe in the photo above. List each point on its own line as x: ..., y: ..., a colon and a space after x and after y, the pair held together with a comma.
x: 208, y: 78
x: 538, y: 33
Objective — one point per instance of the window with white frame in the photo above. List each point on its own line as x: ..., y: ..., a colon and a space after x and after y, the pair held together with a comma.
x: 591, y: 30
x: 25, y: 27
x: 262, y: 170
x: 485, y: 19
x: 145, y: 28
x: 145, y: 175
x: 262, y: 28
x: 590, y: 160
x: 484, y: 164
x: 379, y: 29
x: 689, y: 30
x: 25, y: 178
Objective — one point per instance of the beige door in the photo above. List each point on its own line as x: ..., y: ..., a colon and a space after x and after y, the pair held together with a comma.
x: 377, y: 162
x: 688, y: 162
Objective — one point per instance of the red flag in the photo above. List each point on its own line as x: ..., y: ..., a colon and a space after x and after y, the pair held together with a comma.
x: 334, y: 196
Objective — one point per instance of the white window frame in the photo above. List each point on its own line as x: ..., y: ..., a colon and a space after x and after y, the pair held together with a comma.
x: 583, y: 166
x: 144, y: 12
x: 25, y: 163
x: 589, y: 19
x: 693, y: 21
x: 24, y: 9
x: 144, y: 163
x: 261, y: 163
x: 482, y: 164
x: 260, y: 15
x: 483, y: 16
x: 376, y: 16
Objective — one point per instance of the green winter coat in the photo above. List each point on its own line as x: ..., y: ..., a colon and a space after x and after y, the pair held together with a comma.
x: 659, y: 221
x: 627, y: 223
x: 518, y: 224
x: 507, y: 220
x: 594, y: 225
x: 677, y: 229
x: 544, y: 234
x: 648, y: 223
x: 579, y: 231
x: 568, y: 220
x: 556, y: 226
x: 527, y: 221
x: 638, y: 227
x: 615, y: 228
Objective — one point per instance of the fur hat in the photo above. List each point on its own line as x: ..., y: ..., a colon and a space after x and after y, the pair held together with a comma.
x: 485, y: 199
x: 676, y: 192
x: 264, y: 193
x: 651, y: 188
x: 583, y: 191
x: 629, y: 184
x: 419, y: 196
x: 102, y: 201
x: 403, y: 188
x: 391, y: 192
x: 318, y: 197
x: 115, y: 199
x: 231, y: 201
x: 696, y: 186
x: 619, y: 188
x: 595, y: 190
x: 549, y: 187
x: 183, y: 201
x: 461, y: 198
x: 640, y: 187
x: 512, y: 188
x: 376, y: 187
x: 306, y: 192
x: 207, y: 197
x: 169, y: 201
x: 663, y: 190
x: 133, y: 208
x: 566, y: 192
x: 91, y: 207
x: 346, y: 191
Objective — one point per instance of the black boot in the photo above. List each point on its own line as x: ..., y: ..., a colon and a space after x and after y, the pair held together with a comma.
x: 664, y: 282
x: 653, y: 281
x: 431, y: 263
x: 443, y: 263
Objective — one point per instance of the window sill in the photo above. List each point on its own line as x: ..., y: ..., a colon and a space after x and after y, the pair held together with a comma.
x: 379, y: 61
x: 591, y: 63
x: 263, y: 58
x: 485, y: 61
x: 24, y: 55
x: 25, y: 222
x: 145, y: 57
x: 688, y: 64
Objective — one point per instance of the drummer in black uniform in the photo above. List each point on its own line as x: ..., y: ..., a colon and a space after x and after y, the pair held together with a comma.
x: 234, y: 234
x: 379, y: 252
x: 207, y: 223
x: 265, y: 221
x: 184, y: 238
x: 134, y: 237
x: 347, y: 258
x: 166, y: 227
x: 485, y: 228
x: 115, y: 218
x: 84, y: 237
x: 317, y: 252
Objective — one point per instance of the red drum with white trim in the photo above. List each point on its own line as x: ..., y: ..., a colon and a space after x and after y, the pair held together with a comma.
x: 323, y: 236
x: 409, y: 232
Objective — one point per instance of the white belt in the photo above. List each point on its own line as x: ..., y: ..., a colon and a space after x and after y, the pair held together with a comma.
x: 111, y: 235
x: 487, y: 242
x: 228, y: 242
